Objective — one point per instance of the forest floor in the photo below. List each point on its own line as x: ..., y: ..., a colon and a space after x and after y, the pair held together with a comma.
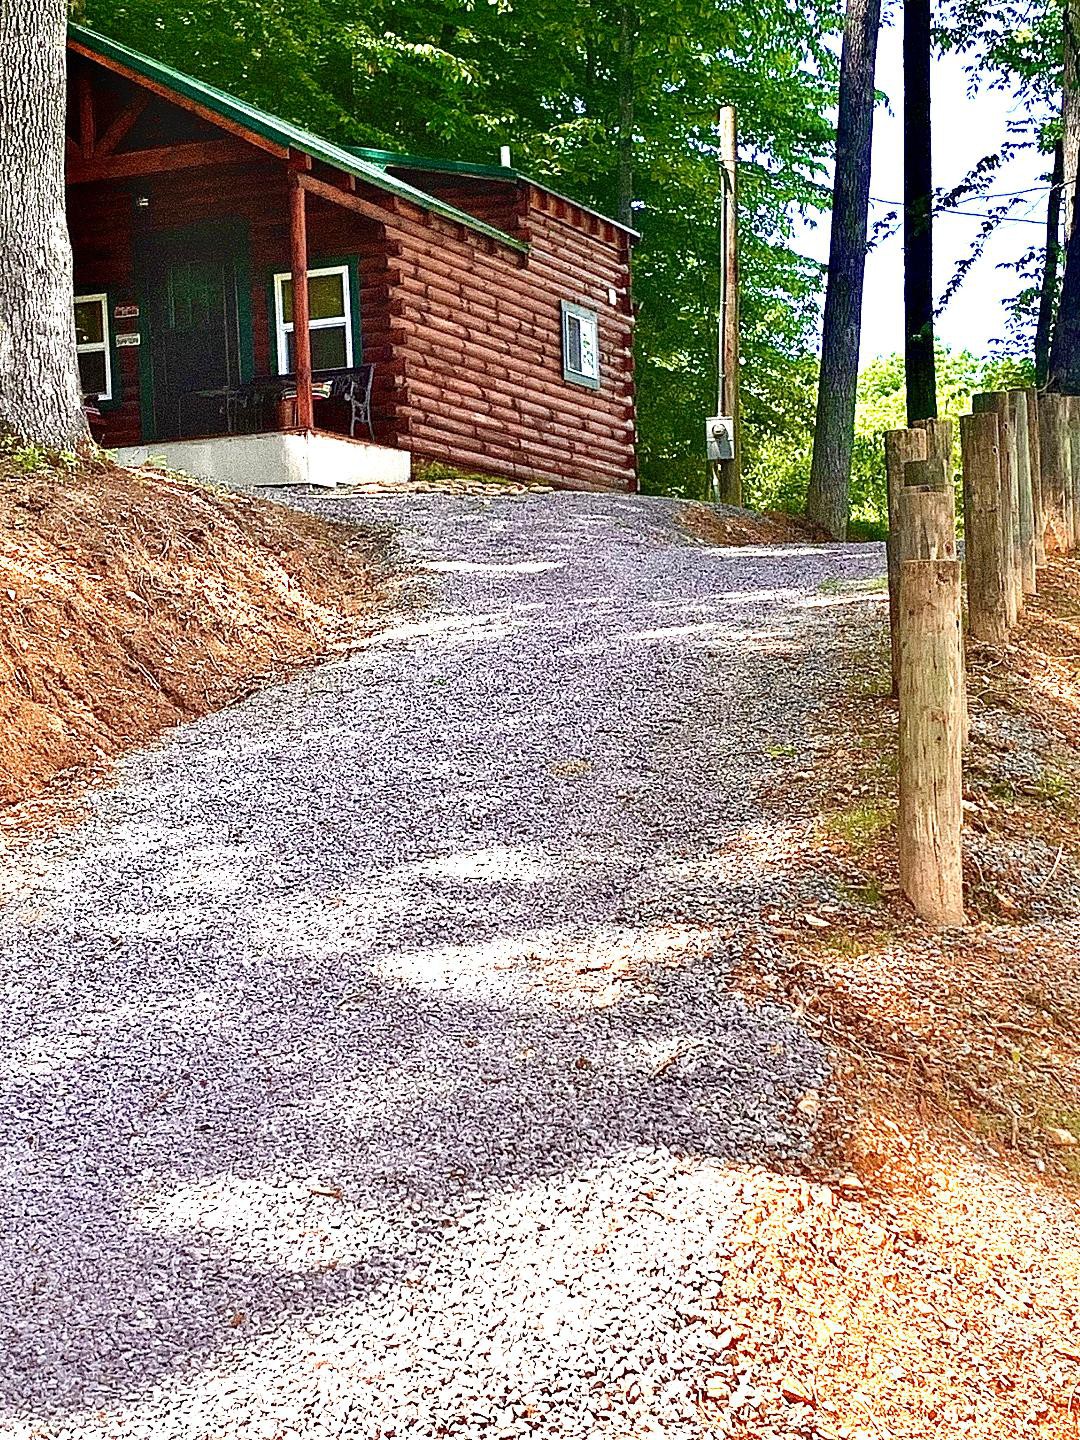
x: 131, y: 600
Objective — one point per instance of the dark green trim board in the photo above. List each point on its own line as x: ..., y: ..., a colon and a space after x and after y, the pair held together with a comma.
x: 317, y: 262
x: 277, y: 131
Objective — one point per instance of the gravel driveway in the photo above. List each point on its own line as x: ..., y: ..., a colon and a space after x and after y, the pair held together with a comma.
x: 369, y: 1063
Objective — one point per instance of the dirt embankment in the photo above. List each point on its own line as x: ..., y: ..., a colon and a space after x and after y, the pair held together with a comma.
x: 728, y: 525
x: 130, y: 601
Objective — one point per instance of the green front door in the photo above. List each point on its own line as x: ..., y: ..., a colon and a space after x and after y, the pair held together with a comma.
x: 195, y: 312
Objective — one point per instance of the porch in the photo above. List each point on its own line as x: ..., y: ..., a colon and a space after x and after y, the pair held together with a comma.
x: 230, y: 301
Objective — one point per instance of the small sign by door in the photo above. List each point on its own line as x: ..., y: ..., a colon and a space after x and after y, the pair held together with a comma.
x: 125, y: 338
x: 126, y: 312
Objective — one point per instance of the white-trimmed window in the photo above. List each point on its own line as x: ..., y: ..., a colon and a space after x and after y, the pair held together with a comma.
x: 580, y: 345
x: 330, y: 319
x: 92, y: 343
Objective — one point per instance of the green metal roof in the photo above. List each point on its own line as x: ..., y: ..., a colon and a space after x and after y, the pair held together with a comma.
x: 281, y: 132
x: 399, y: 159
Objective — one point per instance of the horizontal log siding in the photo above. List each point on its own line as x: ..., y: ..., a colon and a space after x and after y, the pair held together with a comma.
x: 481, y: 337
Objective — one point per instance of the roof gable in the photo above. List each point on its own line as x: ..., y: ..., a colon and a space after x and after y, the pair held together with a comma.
x: 248, y: 118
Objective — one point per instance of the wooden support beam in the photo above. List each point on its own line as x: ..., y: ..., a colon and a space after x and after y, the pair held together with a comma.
x: 930, y: 815
x: 1035, y: 457
x: 305, y: 409
x: 997, y: 401
x: 358, y: 204
x: 159, y: 160
x: 87, y: 128
x: 122, y: 124
x: 182, y: 102
x: 900, y: 447
x: 984, y: 542
x: 1018, y: 417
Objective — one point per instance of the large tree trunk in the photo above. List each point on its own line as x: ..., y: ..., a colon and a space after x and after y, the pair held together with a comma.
x: 1070, y: 104
x: 1048, y: 289
x: 830, y: 468
x: 624, y: 205
x: 1064, y: 372
x: 39, y: 379
x: 918, y: 217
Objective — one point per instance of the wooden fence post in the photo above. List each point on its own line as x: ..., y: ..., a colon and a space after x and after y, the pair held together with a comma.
x: 996, y: 401
x: 1051, y: 450
x: 983, y: 531
x: 931, y: 719
x: 900, y: 447
x: 926, y: 513
x: 939, y: 439
x: 1073, y: 413
x: 1035, y: 459
x: 1026, y: 505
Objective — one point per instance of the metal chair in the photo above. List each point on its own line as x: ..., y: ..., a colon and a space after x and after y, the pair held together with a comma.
x: 354, y: 387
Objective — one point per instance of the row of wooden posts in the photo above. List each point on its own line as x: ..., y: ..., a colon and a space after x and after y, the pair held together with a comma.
x: 1021, y: 503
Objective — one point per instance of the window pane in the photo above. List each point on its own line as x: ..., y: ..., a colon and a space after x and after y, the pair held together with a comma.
x: 286, y: 302
x: 590, y: 350
x: 89, y: 323
x: 328, y: 348
x: 573, y: 344
x: 92, y: 372
x: 326, y: 296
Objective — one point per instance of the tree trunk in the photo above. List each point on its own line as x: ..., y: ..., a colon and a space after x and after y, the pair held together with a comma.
x: 1048, y: 289
x: 40, y: 397
x: 1070, y: 106
x: 624, y: 205
x: 918, y: 216
x: 830, y: 468
x: 1064, y: 369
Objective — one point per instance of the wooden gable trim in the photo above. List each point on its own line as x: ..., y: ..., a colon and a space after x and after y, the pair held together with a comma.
x: 182, y: 102
x: 158, y: 160
x: 122, y: 124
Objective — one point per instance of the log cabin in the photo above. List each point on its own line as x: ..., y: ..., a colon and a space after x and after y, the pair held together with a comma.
x: 458, y: 314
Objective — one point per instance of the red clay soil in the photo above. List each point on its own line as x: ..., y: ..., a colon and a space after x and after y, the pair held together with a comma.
x: 130, y: 601
x: 719, y: 527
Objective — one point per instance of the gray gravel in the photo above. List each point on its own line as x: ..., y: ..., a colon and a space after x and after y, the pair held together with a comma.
x: 369, y: 1065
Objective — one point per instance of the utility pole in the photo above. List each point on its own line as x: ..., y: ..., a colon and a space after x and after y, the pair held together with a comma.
x: 727, y: 473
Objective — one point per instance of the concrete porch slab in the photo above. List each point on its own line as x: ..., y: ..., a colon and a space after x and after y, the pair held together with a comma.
x: 280, y: 457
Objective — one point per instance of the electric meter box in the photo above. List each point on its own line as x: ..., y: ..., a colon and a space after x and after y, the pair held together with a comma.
x: 720, y: 438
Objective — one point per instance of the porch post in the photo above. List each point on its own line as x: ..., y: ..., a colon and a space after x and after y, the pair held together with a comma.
x: 305, y: 410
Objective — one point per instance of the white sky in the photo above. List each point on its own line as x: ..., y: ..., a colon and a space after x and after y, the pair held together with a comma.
x: 965, y: 129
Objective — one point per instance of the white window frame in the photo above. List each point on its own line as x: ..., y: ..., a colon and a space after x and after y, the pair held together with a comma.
x: 102, y: 346
x: 584, y: 316
x: 333, y: 322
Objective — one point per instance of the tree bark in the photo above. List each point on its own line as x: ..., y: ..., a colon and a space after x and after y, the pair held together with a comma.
x: 918, y: 217
x: 834, y: 429
x: 1070, y: 107
x: 40, y: 399
x: 624, y: 205
x: 1048, y: 287
x: 1064, y: 369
